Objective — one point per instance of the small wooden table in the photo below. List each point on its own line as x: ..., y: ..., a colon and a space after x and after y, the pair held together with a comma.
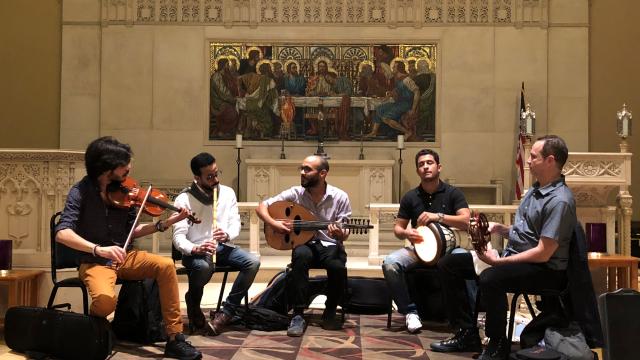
x: 23, y: 287
x: 622, y: 268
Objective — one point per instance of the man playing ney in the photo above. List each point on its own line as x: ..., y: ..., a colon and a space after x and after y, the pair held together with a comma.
x: 198, y: 242
x: 432, y: 201
x: 325, y: 249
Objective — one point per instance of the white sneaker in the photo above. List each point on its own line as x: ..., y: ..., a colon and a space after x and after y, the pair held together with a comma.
x: 413, y: 323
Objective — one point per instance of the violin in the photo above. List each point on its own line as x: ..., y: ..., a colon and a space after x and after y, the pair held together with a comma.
x: 128, y: 193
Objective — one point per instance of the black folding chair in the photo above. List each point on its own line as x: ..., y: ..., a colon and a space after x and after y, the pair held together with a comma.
x: 63, y: 257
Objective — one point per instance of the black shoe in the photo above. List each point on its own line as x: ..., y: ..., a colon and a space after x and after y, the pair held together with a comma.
x: 465, y: 340
x: 330, y: 320
x: 179, y: 348
x: 496, y: 350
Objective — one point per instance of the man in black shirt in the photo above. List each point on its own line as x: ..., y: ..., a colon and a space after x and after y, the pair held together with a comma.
x: 99, y: 231
x: 433, y: 201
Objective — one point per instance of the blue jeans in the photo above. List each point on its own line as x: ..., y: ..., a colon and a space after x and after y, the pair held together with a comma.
x: 394, y: 267
x: 201, y: 270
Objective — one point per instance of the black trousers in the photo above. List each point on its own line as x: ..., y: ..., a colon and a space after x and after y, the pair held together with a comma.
x: 314, y: 255
x: 494, y: 284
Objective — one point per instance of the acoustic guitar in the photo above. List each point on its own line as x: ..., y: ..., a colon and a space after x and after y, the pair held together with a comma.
x: 305, y: 225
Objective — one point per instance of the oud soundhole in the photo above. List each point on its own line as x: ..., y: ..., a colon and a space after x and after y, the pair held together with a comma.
x: 286, y: 238
x: 287, y: 211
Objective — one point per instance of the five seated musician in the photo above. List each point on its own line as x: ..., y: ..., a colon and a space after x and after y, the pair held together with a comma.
x: 433, y: 201
x: 199, y: 242
x: 99, y: 230
x: 535, y: 257
x: 325, y: 249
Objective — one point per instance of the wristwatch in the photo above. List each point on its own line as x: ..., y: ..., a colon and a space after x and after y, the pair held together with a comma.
x: 161, y: 226
x: 440, y: 217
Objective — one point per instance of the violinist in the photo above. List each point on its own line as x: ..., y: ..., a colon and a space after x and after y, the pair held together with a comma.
x: 199, y: 242
x: 325, y: 249
x: 99, y: 230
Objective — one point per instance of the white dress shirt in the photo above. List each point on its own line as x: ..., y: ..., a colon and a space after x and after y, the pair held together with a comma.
x: 186, y: 237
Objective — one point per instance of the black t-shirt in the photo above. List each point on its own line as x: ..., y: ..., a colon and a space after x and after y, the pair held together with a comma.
x: 447, y: 200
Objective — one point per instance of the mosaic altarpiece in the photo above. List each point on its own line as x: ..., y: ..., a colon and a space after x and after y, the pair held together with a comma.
x: 344, y: 92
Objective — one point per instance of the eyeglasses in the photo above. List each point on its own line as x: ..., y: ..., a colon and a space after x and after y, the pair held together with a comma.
x: 214, y: 175
x: 306, y: 169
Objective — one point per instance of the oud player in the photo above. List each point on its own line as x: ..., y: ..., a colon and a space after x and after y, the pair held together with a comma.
x: 324, y: 250
x: 432, y: 201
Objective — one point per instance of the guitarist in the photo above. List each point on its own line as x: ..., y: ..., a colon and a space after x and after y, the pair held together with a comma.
x: 433, y: 201
x: 535, y: 257
x: 325, y: 249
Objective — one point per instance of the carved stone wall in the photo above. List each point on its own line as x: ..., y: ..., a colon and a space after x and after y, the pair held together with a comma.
x: 366, y: 181
x: 33, y: 186
x: 390, y: 13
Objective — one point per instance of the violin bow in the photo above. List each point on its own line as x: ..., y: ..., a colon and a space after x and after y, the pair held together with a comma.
x: 135, y: 222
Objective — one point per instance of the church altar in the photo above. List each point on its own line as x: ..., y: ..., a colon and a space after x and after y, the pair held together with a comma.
x: 366, y: 103
x: 366, y: 181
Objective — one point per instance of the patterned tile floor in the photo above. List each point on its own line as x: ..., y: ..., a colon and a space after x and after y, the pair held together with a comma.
x: 363, y: 337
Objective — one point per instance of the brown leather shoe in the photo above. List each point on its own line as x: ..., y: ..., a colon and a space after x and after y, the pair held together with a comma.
x: 219, y: 322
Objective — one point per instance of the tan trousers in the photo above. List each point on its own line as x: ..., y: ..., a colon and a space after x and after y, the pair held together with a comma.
x: 101, y: 280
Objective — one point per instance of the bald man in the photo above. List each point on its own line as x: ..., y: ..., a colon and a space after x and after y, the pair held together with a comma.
x: 325, y: 249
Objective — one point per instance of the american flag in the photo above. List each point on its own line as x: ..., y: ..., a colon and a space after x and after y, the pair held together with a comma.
x: 520, y: 151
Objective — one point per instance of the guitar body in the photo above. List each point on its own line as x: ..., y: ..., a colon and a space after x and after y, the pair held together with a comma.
x: 291, y: 211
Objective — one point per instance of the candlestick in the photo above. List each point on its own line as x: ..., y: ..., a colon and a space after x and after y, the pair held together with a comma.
x: 282, y: 154
x: 238, y: 141
x: 361, y: 156
x: 399, y: 175
x: 400, y: 141
x: 238, y: 161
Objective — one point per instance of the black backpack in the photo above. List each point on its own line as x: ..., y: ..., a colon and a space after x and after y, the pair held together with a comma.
x: 273, y: 296
x: 138, y: 316
x: 263, y: 319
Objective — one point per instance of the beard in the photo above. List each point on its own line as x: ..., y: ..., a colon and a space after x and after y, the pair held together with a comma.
x: 309, y: 182
x: 206, y: 187
x: 117, y: 178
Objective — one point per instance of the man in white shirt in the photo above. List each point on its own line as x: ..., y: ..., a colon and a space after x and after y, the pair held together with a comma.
x: 199, y: 242
x: 328, y: 204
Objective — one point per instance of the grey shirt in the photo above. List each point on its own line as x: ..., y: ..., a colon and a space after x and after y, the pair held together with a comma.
x: 334, y: 206
x: 549, y: 212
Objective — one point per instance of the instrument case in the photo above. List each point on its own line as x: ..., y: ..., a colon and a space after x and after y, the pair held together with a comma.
x: 61, y: 334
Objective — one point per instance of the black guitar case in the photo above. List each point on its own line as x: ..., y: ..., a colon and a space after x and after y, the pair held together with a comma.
x: 620, y: 312
x: 61, y: 334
